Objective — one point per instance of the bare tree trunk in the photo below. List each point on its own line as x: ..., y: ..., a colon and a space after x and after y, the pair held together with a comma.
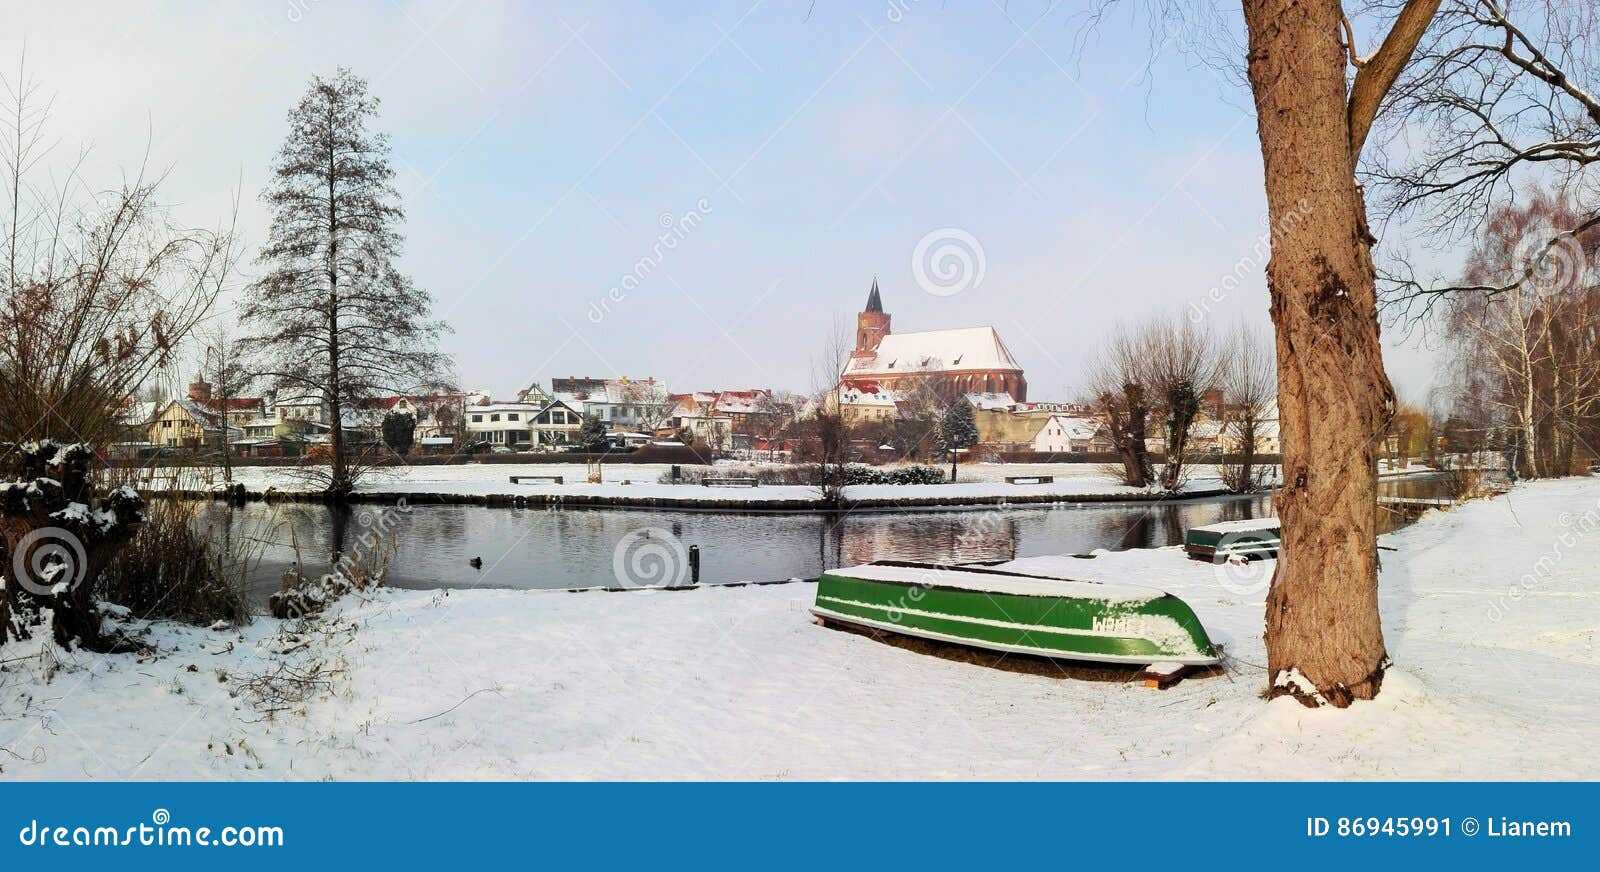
x: 1324, y: 638
x: 339, y: 484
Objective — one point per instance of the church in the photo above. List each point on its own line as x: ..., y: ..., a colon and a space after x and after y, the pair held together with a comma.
x: 965, y: 360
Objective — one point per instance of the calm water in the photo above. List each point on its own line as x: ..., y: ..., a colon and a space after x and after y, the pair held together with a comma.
x: 564, y: 548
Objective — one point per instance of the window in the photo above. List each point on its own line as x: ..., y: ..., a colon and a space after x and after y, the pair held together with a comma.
x: 511, y: 416
x: 494, y: 417
x: 166, y: 425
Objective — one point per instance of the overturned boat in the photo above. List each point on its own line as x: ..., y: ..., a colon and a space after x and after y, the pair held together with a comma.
x: 1016, y: 612
x: 1257, y: 539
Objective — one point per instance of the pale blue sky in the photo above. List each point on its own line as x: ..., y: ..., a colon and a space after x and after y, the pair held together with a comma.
x: 540, y: 145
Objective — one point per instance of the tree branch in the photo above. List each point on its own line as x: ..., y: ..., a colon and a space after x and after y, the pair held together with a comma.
x: 1377, y: 74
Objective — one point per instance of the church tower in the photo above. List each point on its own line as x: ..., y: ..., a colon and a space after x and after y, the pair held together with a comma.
x: 871, y: 325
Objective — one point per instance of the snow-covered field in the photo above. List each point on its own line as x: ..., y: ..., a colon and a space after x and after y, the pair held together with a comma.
x: 642, y: 481
x: 1490, y: 611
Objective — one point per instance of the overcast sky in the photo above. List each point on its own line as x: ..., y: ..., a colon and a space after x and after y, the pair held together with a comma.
x: 543, y: 151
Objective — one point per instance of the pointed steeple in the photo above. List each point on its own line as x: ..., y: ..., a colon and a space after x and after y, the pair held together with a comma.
x: 874, y: 302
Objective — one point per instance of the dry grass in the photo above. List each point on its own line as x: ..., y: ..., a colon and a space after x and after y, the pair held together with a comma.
x: 178, y: 569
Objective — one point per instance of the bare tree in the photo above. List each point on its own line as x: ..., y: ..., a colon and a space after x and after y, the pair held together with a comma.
x: 825, y: 432
x: 772, y: 416
x: 225, y: 370
x: 1117, y: 380
x: 98, y: 298
x: 1247, y: 375
x: 1499, y: 95
x: 1180, y: 366
x: 650, y: 402
x: 333, y: 317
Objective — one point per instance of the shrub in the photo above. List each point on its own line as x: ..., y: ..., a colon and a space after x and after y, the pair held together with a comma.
x: 860, y: 473
x: 806, y: 474
x: 174, y: 568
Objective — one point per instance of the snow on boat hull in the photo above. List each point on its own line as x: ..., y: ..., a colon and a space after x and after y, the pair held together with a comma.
x: 1257, y: 540
x: 1001, y: 611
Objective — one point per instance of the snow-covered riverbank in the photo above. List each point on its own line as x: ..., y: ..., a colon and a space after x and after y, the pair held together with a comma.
x: 1489, y: 610
x: 624, y: 483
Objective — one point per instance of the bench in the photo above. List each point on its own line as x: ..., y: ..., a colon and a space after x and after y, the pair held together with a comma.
x: 553, y: 479
x: 732, y: 481
x: 1030, y: 479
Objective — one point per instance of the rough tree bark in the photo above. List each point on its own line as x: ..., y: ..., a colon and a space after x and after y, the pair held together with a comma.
x: 1324, y: 638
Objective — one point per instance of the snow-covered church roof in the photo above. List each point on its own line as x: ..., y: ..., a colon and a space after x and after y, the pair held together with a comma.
x: 959, y: 350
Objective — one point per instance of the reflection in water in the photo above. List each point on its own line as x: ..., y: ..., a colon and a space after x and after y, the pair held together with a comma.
x: 559, y: 548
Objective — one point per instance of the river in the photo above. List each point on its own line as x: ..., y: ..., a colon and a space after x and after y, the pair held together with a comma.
x: 435, y: 546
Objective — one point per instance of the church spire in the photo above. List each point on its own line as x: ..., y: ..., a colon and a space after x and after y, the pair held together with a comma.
x: 874, y: 303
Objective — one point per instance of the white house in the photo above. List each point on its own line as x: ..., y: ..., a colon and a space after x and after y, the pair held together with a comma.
x: 523, y: 426
x: 623, y: 404
x: 1062, y: 434
x: 299, y: 407
x: 709, y: 430
x: 500, y: 423
x: 557, y: 424
x: 864, y: 402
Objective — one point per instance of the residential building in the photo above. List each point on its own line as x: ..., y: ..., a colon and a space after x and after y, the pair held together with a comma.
x: 534, y: 395
x: 864, y: 402
x: 1066, y: 434
x: 523, y: 426
x: 707, y: 430
x: 621, y: 403
x: 183, y: 423
x: 299, y: 406
x: 502, y: 423
x: 557, y: 424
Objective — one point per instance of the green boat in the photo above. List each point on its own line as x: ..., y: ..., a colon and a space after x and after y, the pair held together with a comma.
x: 1251, y: 540
x: 1015, y: 612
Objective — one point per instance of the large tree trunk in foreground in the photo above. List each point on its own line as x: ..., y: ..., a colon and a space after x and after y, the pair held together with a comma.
x: 1324, y: 638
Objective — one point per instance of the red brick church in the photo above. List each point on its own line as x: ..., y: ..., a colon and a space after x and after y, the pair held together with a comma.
x: 964, y: 360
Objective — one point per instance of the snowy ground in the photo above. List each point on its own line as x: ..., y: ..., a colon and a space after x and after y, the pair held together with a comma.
x: 1489, y: 610
x: 642, y: 481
